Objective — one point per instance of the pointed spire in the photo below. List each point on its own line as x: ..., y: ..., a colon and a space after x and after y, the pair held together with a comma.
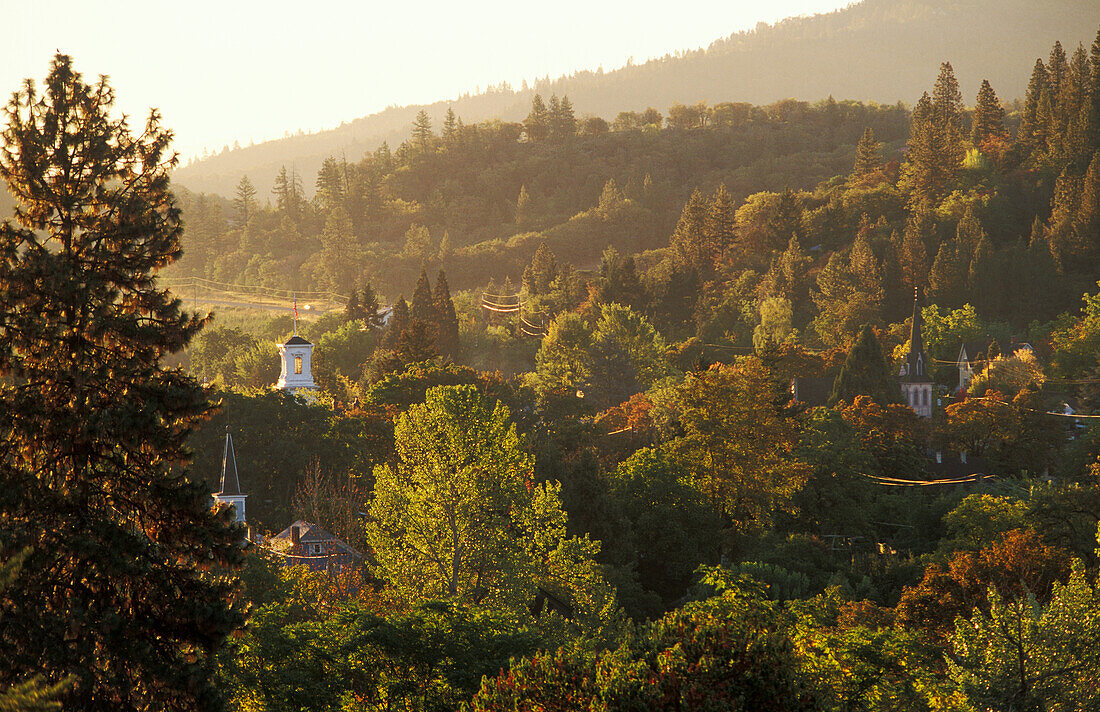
x: 916, y: 368
x: 230, y: 484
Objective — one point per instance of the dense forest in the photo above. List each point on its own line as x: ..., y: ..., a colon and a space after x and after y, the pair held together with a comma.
x: 875, y: 50
x: 611, y: 415
x: 623, y: 379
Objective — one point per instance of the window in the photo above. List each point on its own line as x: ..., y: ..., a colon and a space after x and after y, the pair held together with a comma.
x: 297, y: 364
x: 316, y: 548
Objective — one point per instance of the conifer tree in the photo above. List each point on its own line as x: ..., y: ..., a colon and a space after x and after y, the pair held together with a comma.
x: 1092, y: 131
x: 865, y: 373
x: 450, y: 126
x: 523, y: 202
x: 244, y: 201
x: 399, y: 322
x: 721, y: 230
x: 423, y: 304
x: 537, y: 123
x: 689, y: 240
x: 353, y: 309
x: 289, y: 199
x: 948, y: 277
x: 921, y: 180
x: 985, y: 289
x: 566, y: 121
x: 968, y: 233
x: 913, y: 256
x: 370, y: 306
x: 122, y: 589
x: 1032, y: 134
x: 446, y: 319
x: 422, y: 130
x: 868, y: 158
x: 989, y: 117
x: 541, y: 273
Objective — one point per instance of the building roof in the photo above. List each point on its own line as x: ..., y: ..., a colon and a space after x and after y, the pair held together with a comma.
x: 813, y: 391
x: 297, y: 341
x: 231, y: 485
x: 310, y: 533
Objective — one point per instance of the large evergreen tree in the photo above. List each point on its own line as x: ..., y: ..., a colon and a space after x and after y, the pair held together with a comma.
x: 121, y: 590
x: 989, y: 117
x: 868, y: 159
x: 446, y: 325
x: 865, y: 372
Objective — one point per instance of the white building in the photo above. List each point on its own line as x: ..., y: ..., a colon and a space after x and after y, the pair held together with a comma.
x: 295, y: 373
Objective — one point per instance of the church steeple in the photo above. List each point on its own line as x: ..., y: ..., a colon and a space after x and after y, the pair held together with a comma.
x: 230, y: 493
x: 915, y: 360
x: 916, y: 385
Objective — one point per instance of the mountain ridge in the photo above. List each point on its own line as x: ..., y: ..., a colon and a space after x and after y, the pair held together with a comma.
x: 883, y: 51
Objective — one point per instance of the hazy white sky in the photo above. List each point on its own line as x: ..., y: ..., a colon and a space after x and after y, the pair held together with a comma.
x: 242, y: 70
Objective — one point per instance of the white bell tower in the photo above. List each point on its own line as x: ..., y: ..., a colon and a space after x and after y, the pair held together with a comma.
x: 295, y: 355
x: 295, y: 374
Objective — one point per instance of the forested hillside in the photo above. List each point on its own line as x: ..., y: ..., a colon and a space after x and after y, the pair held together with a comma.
x: 876, y: 50
x: 479, y: 199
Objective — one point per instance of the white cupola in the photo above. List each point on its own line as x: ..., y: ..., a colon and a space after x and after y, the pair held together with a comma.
x: 231, y: 494
x: 295, y: 374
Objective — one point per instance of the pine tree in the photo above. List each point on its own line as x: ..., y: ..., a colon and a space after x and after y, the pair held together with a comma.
x: 921, y: 179
x: 913, y: 257
x: 446, y: 319
x: 989, y: 118
x: 422, y: 307
x: 353, y: 309
x: 450, y: 126
x: 399, y: 322
x: 948, y: 277
x: 865, y: 373
x: 123, y: 588
x: 289, y: 199
x: 563, y: 121
x: 537, y: 123
x: 868, y: 157
x: 968, y: 233
x: 331, y: 185
x: 245, y: 201
x: 523, y: 202
x: 1058, y: 77
x: 1092, y: 131
x: 370, y: 307
x: 689, y: 240
x: 1032, y: 133
x: 541, y: 273
x: 985, y: 288
x: 721, y: 229
x: 422, y: 130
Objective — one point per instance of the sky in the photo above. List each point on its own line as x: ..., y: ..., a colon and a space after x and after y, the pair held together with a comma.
x: 243, y: 70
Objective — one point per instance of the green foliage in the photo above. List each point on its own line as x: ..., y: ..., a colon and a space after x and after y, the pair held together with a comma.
x: 624, y: 354
x: 457, y: 516
x: 673, y: 528
x: 980, y: 520
x: 737, y: 442
x: 722, y: 654
x: 431, y: 656
x: 1030, y: 656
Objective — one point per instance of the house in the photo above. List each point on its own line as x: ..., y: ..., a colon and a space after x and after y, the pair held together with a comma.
x: 973, y: 357
x: 307, y: 544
